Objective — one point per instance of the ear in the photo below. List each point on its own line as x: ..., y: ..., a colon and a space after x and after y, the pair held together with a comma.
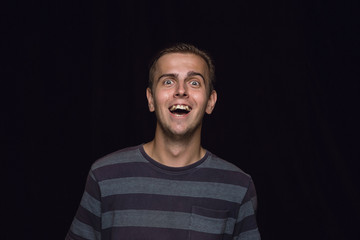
x: 150, y: 99
x: 211, y: 102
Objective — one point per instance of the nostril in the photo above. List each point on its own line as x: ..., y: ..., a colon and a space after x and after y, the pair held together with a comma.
x: 181, y: 93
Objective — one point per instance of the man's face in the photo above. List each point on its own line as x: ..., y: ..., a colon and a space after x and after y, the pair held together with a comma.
x: 180, y: 93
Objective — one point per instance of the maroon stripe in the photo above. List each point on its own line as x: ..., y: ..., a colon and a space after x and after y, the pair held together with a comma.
x: 72, y: 236
x: 165, y: 203
x: 172, y: 169
x: 247, y: 224
x: 208, y: 236
x: 211, y: 214
x: 252, y: 191
x: 88, y: 218
x: 140, y: 233
x: 92, y: 188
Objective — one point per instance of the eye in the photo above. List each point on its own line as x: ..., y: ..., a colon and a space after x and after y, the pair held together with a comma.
x: 168, y: 82
x: 194, y: 83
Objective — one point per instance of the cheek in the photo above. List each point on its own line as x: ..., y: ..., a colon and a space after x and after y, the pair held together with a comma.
x: 162, y: 98
x: 200, y: 100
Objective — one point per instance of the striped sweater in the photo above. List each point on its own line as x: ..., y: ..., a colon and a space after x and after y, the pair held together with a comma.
x: 128, y: 195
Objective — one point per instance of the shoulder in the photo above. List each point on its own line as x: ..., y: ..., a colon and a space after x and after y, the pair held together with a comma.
x: 226, y: 169
x: 221, y: 164
x: 126, y: 155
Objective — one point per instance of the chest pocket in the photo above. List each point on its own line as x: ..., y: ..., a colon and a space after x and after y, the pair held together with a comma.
x: 210, y: 224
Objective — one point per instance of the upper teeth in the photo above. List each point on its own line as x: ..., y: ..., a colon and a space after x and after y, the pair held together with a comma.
x: 182, y: 107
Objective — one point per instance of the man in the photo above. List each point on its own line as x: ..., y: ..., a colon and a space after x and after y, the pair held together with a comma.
x: 170, y: 188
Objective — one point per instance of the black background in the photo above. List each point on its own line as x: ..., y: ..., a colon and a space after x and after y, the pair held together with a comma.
x: 74, y: 75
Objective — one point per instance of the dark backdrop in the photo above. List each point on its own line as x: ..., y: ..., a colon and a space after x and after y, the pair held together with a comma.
x: 74, y: 75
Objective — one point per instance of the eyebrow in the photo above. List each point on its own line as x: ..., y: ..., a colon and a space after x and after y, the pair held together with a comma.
x: 175, y: 75
x: 192, y: 73
x: 172, y: 75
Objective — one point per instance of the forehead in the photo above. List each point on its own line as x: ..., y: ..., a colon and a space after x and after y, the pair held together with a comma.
x: 181, y: 62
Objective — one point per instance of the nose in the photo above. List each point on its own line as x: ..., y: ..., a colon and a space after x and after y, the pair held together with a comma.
x: 181, y: 90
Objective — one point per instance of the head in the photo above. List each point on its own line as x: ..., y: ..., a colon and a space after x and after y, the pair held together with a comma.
x: 185, y: 48
x: 180, y: 90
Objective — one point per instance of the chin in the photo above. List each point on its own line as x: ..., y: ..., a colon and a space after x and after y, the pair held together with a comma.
x: 181, y: 133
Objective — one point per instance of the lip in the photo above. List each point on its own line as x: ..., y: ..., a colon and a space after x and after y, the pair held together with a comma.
x: 179, y: 116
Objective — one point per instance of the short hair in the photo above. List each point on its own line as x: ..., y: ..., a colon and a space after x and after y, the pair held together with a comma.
x: 183, y: 48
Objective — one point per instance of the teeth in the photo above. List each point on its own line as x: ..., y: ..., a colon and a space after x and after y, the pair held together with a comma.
x: 181, y: 107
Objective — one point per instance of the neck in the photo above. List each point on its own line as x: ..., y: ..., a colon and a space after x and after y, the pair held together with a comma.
x: 175, y: 152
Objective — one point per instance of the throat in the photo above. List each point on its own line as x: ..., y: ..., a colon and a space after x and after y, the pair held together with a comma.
x: 174, y: 154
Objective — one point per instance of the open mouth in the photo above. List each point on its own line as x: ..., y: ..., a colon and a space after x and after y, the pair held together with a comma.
x: 180, y: 110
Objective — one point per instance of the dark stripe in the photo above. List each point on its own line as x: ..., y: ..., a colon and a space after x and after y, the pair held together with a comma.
x: 88, y: 218
x: 136, y: 233
x: 206, y: 236
x: 138, y: 169
x: 165, y: 203
x: 210, y: 213
x: 141, y: 233
x: 251, y: 195
x: 163, y: 219
x: 91, y: 204
x: 251, y: 191
x: 173, y: 170
x: 83, y: 230
x: 226, y: 192
x: 247, y: 224
x: 72, y: 236
x: 251, y: 234
x: 92, y: 187
x: 254, y: 203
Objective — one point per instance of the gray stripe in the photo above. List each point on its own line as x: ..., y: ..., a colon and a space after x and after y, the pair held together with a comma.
x: 145, y: 218
x: 245, y: 210
x: 120, y: 157
x: 91, y: 204
x: 212, y: 225
x: 133, y: 185
x: 83, y: 230
x: 170, y: 220
x: 218, y: 163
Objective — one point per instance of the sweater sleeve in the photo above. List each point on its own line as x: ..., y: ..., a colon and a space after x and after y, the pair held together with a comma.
x: 87, y: 221
x: 246, y: 226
